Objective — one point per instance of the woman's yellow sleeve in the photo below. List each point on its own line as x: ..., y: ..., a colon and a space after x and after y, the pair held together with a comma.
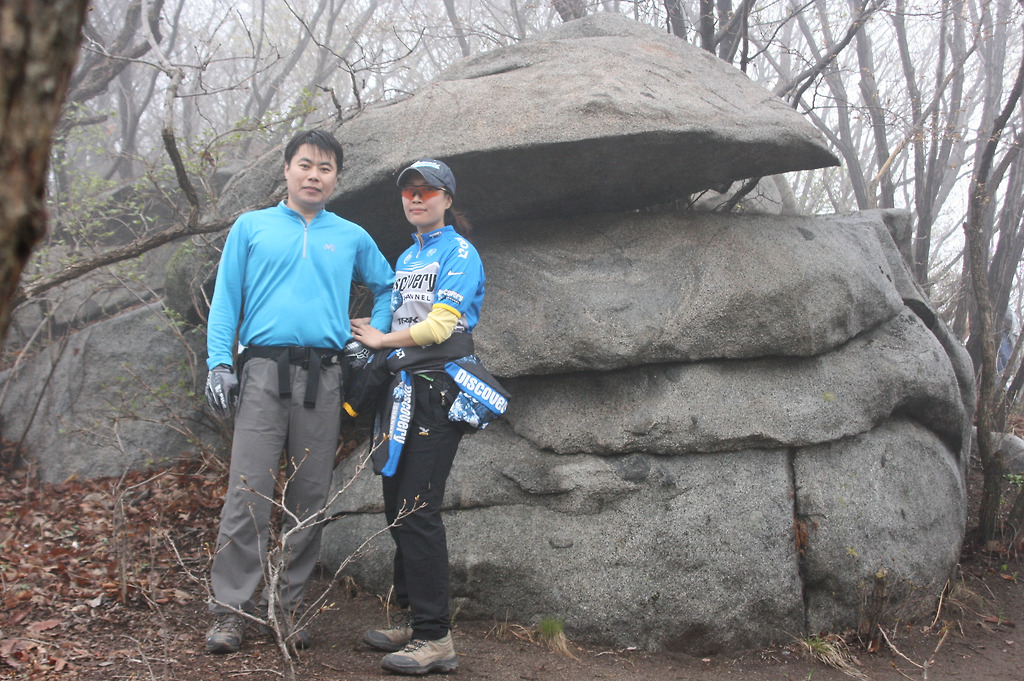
x: 437, y: 327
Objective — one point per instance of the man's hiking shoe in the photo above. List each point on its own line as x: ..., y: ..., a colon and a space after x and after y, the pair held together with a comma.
x: 422, y: 657
x: 226, y: 634
x: 395, y: 637
x: 300, y: 640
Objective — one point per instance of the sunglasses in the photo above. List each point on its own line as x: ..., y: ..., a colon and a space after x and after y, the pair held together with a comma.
x: 426, y: 192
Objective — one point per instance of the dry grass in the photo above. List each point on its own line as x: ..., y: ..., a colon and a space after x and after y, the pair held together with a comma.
x: 550, y: 633
x: 833, y: 651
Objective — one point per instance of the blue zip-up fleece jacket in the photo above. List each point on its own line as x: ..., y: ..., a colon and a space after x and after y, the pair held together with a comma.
x: 290, y: 282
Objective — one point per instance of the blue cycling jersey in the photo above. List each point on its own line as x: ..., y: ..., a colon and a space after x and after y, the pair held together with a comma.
x: 290, y: 282
x: 439, y: 268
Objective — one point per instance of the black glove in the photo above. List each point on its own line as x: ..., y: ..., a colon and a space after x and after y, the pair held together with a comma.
x: 356, y: 353
x: 222, y: 390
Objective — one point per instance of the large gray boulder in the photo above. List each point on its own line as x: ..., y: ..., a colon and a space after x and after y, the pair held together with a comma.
x: 637, y: 288
x: 120, y: 395
x: 898, y: 367
x: 1013, y: 451
x: 601, y: 114
x: 722, y: 428
x: 890, y: 500
x: 632, y: 550
x: 697, y: 553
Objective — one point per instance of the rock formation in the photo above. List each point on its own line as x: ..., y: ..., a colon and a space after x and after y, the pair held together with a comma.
x: 728, y: 478
x: 723, y: 426
x: 120, y: 393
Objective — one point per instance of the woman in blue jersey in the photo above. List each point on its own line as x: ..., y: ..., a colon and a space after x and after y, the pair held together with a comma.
x: 439, y: 286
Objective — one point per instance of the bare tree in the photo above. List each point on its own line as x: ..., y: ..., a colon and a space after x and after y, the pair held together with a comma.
x: 934, y: 118
x: 676, y: 18
x: 879, y: 125
x: 706, y: 25
x: 460, y: 33
x: 113, y: 41
x: 983, y: 190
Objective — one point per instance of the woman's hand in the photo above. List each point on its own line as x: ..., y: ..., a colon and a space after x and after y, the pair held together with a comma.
x: 366, y: 334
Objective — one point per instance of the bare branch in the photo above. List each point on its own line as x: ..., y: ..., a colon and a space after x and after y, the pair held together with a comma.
x: 96, y: 73
x: 131, y: 250
x: 795, y: 89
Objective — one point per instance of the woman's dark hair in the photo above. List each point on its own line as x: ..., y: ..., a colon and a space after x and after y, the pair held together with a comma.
x: 321, y: 139
x: 458, y: 220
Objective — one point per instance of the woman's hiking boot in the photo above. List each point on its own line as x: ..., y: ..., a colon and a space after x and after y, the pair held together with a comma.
x: 395, y: 637
x: 422, y: 657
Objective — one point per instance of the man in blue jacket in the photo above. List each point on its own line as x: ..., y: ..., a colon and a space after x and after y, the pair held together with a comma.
x: 283, y: 287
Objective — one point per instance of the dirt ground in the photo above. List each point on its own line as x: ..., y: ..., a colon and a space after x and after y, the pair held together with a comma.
x: 92, y: 591
x: 981, y: 644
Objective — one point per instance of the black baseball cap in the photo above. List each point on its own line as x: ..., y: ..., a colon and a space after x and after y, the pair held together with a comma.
x: 433, y: 171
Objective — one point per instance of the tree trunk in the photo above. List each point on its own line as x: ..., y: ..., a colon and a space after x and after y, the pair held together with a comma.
x: 38, y: 48
x: 460, y: 33
x: 707, y: 25
x: 977, y: 238
x: 676, y: 19
x: 570, y: 9
x: 885, y: 196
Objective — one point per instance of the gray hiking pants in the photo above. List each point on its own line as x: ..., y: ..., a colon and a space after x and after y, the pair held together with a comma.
x: 265, y: 426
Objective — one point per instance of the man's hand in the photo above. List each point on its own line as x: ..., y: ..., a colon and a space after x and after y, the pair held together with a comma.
x: 222, y: 390
x: 356, y: 354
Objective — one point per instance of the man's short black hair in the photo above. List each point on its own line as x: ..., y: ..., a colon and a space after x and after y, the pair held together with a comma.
x: 321, y: 139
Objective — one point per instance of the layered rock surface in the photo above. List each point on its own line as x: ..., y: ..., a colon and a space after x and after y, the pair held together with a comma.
x: 728, y: 482
x: 120, y: 393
